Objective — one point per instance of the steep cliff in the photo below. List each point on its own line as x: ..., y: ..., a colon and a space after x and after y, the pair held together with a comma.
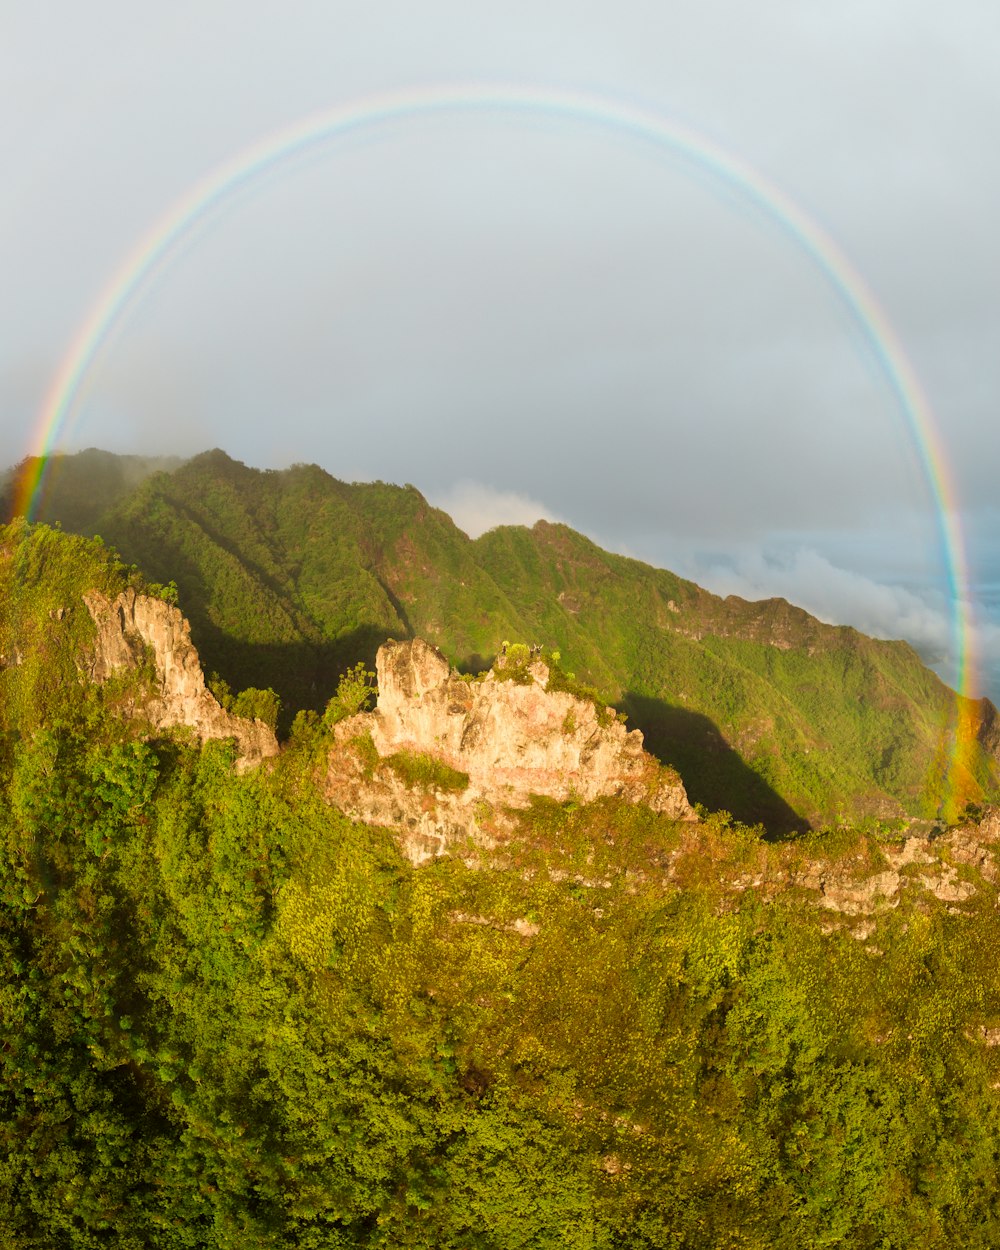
x: 498, y: 742
x: 132, y: 623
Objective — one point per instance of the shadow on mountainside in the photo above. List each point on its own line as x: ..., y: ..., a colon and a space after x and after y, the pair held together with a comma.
x: 302, y: 674
x: 713, y: 773
x: 475, y: 663
x: 303, y: 671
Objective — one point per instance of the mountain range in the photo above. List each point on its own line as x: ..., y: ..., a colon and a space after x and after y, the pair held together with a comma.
x: 290, y: 577
x: 467, y: 969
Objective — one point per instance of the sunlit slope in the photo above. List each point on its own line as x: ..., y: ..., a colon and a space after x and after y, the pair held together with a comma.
x: 234, y: 1018
x: 736, y: 693
x: 45, y: 628
x: 288, y: 577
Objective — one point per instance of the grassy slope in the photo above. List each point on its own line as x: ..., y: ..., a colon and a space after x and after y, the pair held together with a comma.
x: 290, y: 577
x: 815, y: 710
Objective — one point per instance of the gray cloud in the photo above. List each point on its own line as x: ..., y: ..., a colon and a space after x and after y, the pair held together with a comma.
x: 599, y: 324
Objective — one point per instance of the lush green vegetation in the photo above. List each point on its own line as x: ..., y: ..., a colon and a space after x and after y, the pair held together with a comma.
x: 232, y: 1018
x: 253, y: 704
x: 290, y: 578
x: 355, y: 691
x: 417, y: 769
x: 82, y: 487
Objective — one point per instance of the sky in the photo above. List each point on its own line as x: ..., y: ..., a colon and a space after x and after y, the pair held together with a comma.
x: 527, y: 312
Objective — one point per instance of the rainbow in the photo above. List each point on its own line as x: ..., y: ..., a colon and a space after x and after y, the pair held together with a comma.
x: 153, y: 253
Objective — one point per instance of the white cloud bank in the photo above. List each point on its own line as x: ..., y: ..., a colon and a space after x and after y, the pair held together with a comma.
x: 476, y: 507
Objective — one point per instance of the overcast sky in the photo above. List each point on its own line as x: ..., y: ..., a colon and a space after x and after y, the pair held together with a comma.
x: 526, y: 315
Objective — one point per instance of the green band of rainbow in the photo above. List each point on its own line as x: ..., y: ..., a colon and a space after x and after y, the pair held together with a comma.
x: 155, y: 250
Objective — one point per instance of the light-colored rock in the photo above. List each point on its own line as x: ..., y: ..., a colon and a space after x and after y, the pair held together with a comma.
x: 522, y: 926
x: 844, y: 887
x: 11, y: 659
x: 426, y: 823
x: 854, y: 898
x: 947, y: 886
x: 512, y: 740
x: 912, y: 851
x: 988, y: 829
x: 133, y: 628
x: 974, y: 846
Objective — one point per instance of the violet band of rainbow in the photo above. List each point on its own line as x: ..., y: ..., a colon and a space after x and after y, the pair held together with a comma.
x: 153, y: 253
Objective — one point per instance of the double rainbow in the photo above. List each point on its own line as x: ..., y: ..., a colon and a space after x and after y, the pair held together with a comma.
x: 154, y: 252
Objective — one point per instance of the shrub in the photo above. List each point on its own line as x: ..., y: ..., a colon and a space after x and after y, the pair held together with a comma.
x: 168, y: 593
x: 415, y: 768
x: 560, y: 680
x: 512, y: 664
x: 367, y: 753
x: 355, y: 690
x: 221, y: 689
x: 254, y: 704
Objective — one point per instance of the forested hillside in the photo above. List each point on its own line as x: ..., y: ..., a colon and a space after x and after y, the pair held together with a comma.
x: 289, y: 577
x: 234, y: 1019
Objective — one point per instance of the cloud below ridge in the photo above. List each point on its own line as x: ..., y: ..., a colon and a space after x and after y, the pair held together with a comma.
x: 803, y: 576
x: 476, y: 507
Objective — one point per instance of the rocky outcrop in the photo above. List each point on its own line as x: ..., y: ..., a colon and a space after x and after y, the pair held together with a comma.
x: 133, y: 629
x: 513, y: 739
x: 952, y: 866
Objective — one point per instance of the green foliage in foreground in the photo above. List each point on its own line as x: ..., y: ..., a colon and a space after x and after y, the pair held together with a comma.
x: 252, y: 704
x: 234, y: 1019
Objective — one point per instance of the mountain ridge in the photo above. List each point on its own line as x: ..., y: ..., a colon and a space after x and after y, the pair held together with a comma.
x: 236, y: 1017
x: 289, y: 577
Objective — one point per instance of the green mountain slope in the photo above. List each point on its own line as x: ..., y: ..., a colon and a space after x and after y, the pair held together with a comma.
x: 289, y: 577
x: 235, y: 1020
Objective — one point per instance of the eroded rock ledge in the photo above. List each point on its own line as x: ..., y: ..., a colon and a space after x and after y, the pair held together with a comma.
x: 958, y: 867
x: 512, y: 740
x: 131, y: 623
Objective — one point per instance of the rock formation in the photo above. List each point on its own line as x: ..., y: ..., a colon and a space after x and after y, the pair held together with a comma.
x: 131, y: 623
x: 959, y: 867
x: 513, y: 740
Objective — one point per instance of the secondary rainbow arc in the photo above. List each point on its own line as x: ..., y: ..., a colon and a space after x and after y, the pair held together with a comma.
x: 155, y: 249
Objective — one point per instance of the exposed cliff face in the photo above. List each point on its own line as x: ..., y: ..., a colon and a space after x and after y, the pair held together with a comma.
x: 512, y: 740
x: 131, y: 623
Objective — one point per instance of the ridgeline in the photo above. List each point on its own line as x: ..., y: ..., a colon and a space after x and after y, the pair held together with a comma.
x: 236, y: 1019
x: 288, y: 578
